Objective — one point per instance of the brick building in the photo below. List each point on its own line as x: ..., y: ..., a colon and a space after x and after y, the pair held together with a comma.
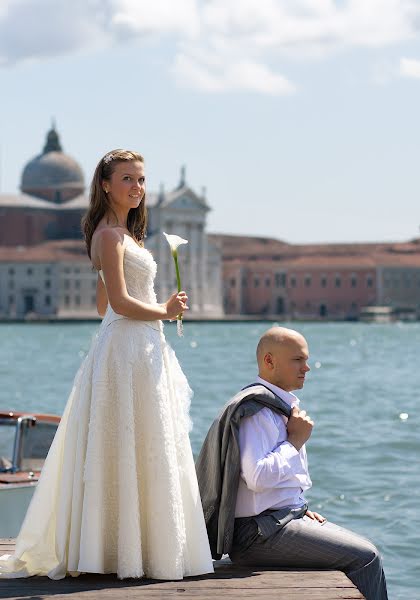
x: 264, y: 276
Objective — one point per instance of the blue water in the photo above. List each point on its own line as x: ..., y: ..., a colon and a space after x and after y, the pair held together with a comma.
x: 363, y: 453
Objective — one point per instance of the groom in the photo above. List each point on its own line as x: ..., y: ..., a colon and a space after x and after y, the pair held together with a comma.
x: 253, y: 473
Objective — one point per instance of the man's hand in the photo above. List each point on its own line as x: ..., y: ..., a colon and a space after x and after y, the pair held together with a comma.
x: 299, y: 428
x: 315, y: 516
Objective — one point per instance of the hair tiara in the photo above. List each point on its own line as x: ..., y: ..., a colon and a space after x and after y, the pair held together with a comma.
x: 108, y: 157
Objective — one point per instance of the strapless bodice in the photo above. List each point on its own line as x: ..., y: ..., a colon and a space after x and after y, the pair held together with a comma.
x: 139, y: 273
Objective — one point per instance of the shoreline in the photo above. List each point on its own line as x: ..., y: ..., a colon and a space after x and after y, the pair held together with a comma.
x: 224, y: 319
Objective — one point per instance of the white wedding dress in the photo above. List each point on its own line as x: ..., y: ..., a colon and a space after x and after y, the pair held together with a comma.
x: 118, y: 492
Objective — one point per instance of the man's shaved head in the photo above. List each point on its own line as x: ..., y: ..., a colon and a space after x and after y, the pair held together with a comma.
x: 274, y: 337
x: 281, y: 355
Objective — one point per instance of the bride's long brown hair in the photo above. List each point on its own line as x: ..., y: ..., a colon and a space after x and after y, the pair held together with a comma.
x: 100, y: 204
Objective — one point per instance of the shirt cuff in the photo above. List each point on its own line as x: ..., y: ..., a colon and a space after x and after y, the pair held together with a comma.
x: 288, y: 450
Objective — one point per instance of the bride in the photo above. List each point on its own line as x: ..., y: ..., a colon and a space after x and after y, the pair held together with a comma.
x: 118, y: 492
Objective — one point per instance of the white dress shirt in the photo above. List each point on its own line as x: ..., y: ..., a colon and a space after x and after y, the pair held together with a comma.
x: 273, y: 473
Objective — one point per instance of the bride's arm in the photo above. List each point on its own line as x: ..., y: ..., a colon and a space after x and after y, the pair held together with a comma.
x: 111, y: 255
x: 101, y: 297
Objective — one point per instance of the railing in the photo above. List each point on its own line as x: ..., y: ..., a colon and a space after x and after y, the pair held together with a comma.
x: 21, y: 422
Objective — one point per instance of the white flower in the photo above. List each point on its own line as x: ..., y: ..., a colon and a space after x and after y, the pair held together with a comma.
x: 174, y: 241
x: 108, y: 158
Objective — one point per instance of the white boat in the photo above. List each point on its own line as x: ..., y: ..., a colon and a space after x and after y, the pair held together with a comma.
x: 377, y: 314
x: 24, y: 443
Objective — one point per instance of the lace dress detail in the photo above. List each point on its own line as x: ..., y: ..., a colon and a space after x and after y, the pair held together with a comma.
x: 118, y: 492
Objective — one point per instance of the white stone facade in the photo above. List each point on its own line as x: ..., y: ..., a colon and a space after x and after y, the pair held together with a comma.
x: 183, y: 213
x: 50, y: 289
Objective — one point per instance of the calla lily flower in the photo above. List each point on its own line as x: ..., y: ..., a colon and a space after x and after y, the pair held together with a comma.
x: 174, y: 242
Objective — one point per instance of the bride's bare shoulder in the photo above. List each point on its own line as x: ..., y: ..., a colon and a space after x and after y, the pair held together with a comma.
x: 107, y: 235
x: 106, y: 239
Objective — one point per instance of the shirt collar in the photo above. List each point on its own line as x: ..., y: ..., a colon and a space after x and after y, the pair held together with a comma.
x: 288, y: 397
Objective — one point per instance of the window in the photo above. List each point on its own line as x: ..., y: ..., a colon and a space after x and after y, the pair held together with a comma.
x: 323, y: 282
x: 47, y: 271
x: 93, y: 300
x: 77, y: 284
x: 308, y: 280
x: 337, y: 281
x: 369, y: 281
x: 11, y: 300
x: 47, y: 300
x: 77, y: 300
x: 256, y: 282
x: 76, y: 270
x: 94, y: 284
x: 293, y: 281
x: 232, y: 282
x: 11, y: 271
x: 47, y: 284
x: 267, y: 282
x: 67, y: 284
x: 280, y: 279
x: 29, y: 271
x: 353, y: 281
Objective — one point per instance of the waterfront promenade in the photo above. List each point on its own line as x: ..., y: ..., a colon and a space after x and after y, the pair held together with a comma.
x: 232, y: 582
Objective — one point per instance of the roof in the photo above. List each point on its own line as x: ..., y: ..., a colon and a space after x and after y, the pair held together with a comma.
x: 52, y: 251
x: 238, y: 249
x: 167, y: 198
x: 52, y: 168
x: 79, y: 203
x: 24, y: 201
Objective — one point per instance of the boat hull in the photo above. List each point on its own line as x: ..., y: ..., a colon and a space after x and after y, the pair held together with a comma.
x: 14, y: 502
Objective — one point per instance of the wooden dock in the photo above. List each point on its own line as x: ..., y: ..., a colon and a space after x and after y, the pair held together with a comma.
x: 228, y: 580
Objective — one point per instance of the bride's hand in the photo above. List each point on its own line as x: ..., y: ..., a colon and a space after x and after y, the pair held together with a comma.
x: 176, y: 304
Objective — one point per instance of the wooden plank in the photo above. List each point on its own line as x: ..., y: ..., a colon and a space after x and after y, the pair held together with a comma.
x: 134, y: 594
x: 232, y: 581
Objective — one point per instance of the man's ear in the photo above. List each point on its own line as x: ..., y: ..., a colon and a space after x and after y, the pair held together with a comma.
x: 268, y: 360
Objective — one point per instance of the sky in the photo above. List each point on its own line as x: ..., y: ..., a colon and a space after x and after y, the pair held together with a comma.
x: 300, y: 118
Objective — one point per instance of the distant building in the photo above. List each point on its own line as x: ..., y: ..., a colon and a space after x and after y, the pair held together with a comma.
x: 50, y: 280
x: 268, y: 277
x: 45, y: 272
x: 44, y: 268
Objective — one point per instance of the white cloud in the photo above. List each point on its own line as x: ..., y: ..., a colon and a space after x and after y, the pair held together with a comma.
x: 410, y: 67
x: 155, y: 16
x: 243, y: 75
x: 299, y: 26
x: 30, y: 30
x: 243, y: 37
x: 38, y: 29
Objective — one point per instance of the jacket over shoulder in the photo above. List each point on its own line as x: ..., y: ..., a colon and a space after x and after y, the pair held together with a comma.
x: 219, y: 463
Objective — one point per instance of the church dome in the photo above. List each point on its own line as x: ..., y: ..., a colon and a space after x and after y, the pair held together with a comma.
x: 53, y: 175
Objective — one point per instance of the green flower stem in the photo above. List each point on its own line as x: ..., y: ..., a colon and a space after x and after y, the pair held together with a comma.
x: 178, y: 277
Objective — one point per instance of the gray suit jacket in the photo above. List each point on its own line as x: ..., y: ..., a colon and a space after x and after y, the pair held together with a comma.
x: 219, y: 463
